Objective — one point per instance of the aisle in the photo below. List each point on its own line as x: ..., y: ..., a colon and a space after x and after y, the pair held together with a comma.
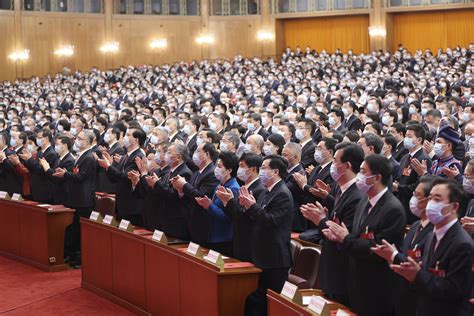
x: 28, y: 291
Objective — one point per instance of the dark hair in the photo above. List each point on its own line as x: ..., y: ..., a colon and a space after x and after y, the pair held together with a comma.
x: 456, y: 192
x: 351, y: 153
x: 46, y: 133
x: 353, y: 136
x: 252, y: 160
x: 230, y: 161
x: 65, y: 140
x: 102, y: 121
x: 428, y: 182
x: 196, y: 122
x: 418, y: 130
x: 211, y: 150
x: 279, y: 163
x: 6, y: 137
x: 309, y: 124
x: 210, y: 134
x: 23, y: 137
x: 277, y: 140
x: 400, y: 128
x: 390, y: 140
x: 330, y: 143
x: 379, y: 164
x: 139, y: 134
x: 338, y: 113
x: 65, y: 124
x: 373, y: 140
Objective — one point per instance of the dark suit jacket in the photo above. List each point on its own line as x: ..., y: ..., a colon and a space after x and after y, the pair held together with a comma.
x: 300, y: 223
x: 318, y: 173
x: 271, y: 217
x: 126, y: 203
x: 81, y: 182
x: 395, y: 168
x: 407, y: 184
x: 61, y: 190
x: 9, y: 181
x: 192, y: 145
x: 200, y: 184
x: 307, y: 154
x: 41, y: 183
x: 334, y: 262
x: 446, y: 295
x: 264, y: 133
x: 173, y: 212
x: 371, y: 280
x: 353, y: 123
x: 405, y: 298
x: 105, y: 185
x: 151, y: 204
x: 242, y: 224
x: 400, y: 152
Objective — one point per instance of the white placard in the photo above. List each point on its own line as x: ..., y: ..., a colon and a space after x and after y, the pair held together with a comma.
x: 124, y: 224
x: 317, y: 304
x: 306, y: 300
x: 108, y: 219
x: 289, y: 290
x: 341, y: 312
x: 157, y: 235
x: 16, y: 197
x: 213, y: 256
x: 192, y: 248
x: 3, y: 195
x: 94, y: 216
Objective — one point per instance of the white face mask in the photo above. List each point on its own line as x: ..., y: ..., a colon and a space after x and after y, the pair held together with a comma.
x: 468, y: 186
x: 242, y: 174
x: 361, y: 182
x: 434, y: 211
x: 414, y: 206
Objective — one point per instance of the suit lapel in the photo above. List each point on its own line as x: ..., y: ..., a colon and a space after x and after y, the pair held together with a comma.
x: 443, y: 244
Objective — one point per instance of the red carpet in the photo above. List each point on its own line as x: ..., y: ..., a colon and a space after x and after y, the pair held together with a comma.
x: 25, y: 290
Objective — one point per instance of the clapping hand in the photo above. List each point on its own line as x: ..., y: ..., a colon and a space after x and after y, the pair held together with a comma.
x: 336, y: 232
x: 385, y: 250
x: 224, y: 194
x: 246, y: 198
x: 408, y: 269
x: 59, y: 172
x: 320, y: 189
x: 314, y: 212
x: 203, y: 202
x: 300, y: 179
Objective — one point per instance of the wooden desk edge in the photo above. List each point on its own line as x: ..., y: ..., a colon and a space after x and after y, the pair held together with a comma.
x: 52, y: 268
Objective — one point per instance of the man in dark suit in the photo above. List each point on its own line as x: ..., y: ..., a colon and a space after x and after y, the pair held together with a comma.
x: 81, y: 197
x: 191, y: 127
x: 66, y: 161
x: 249, y: 166
x: 351, y: 122
x: 334, y: 262
x: 9, y: 181
x: 443, y: 280
x: 41, y: 182
x: 111, y: 137
x: 415, y: 136
x: 389, y: 147
x: 413, y: 245
x: 381, y: 217
x: 203, y: 182
x: 172, y: 126
x: 398, y: 130
x: 272, y: 216
x: 292, y: 153
x: 254, y: 126
x: 127, y: 205
x: 304, y: 130
x: 173, y: 213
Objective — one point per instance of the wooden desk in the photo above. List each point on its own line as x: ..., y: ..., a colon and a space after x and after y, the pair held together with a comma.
x: 34, y: 235
x: 278, y: 305
x: 151, y: 278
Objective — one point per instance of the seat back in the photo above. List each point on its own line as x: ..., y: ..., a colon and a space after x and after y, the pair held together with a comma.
x: 307, y: 265
x: 105, y: 205
x: 295, y: 250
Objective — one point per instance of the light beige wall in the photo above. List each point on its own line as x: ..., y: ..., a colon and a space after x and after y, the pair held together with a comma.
x: 7, y: 44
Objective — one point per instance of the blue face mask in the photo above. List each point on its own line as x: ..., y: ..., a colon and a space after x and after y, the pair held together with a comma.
x: 408, y: 143
x: 263, y: 174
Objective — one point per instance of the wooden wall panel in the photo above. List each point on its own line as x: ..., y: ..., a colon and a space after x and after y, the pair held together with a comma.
x: 135, y: 34
x: 235, y: 37
x: 44, y: 33
x: 7, y: 45
x: 330, y: 33
x: 436, y: 29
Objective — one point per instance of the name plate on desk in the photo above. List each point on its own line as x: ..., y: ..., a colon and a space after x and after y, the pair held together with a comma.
x: 291, y: 292
x: 195, y: 250
x: 126, y: 225
x: 95, y: 216
x: 109, y: 220
x: 319, y: 305
x: 160, y: 237
x: 215, y: 258
x: 341, y: 312
x: 17, y: 197
x: 4, y: 195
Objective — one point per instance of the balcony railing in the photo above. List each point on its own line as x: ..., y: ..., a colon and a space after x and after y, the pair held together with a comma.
x: 76, y: 6
x: 409, y: 3
x: 158, y: 7
x: 234, y: 7
x: 300, y: 6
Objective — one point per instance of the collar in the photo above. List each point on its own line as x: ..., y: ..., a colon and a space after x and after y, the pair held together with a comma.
x: 271, y: 188
x: 325, y: 165
x: 250, y: 183
x: 443, y: 230
x: 112, y: 145
x: 130, y: 153
x: 173, y: 169
x: 446, y: 159
x: 373, y: 201
x: 43, y: 151
x: 424, y: 223
x: 82, y: 153
x: 257, y: 130
x: 62, y: 157
x: 291, y: 169
x: 201, y: 170
x: 415, y: 152
x: 347, y: 185
x: 16, y: 149
x: 305, y: 142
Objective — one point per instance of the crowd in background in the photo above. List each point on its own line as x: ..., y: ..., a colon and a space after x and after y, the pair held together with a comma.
x: 346, y: 149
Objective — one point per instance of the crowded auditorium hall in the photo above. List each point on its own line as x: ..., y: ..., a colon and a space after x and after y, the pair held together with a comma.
x: 223, y: 157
